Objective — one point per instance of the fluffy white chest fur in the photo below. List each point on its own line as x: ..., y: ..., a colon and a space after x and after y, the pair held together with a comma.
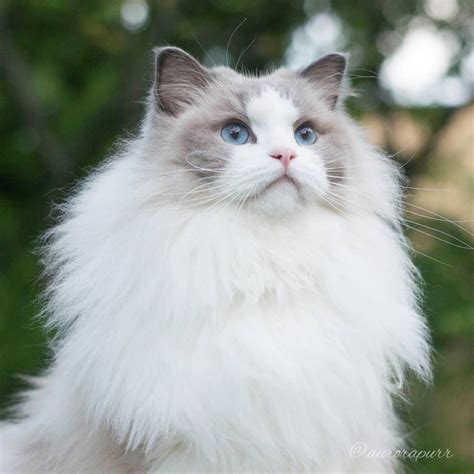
x: 219, y: 339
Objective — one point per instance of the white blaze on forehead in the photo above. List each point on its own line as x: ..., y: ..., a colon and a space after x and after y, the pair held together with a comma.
x: 272, y: 116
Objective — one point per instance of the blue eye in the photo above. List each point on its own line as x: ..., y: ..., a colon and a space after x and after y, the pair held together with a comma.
x: 305, y: 135
x: 235, y: 133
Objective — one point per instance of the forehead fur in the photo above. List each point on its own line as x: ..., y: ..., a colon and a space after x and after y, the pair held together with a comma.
x: 271, y: 106
x: 257, y: 98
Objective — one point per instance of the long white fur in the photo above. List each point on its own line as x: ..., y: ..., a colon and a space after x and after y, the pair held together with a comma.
x: 210, y: 340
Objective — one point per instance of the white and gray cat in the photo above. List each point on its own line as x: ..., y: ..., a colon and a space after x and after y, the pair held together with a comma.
x: 232, y: 290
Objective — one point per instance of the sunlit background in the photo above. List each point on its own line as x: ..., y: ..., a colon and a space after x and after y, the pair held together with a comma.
x: 72, y: 79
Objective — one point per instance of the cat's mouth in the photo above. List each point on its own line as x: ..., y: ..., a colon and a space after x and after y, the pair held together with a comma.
x: 283, y: 179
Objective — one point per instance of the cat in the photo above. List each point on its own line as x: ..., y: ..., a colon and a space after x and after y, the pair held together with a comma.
x: 232, y: 290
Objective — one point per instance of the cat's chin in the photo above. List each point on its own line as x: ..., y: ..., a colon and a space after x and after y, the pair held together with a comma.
x: 279, y: 199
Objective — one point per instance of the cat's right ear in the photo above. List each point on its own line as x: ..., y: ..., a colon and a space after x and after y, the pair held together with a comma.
x: 178, y: 79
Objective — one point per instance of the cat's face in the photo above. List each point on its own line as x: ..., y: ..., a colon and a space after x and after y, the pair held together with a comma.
x: 274, y: 143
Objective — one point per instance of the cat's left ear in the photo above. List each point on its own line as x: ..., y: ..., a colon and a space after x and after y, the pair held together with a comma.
x: 328, y: 74
x: 178, y: 81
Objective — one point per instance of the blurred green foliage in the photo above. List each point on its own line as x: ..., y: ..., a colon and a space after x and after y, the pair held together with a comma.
x: 72, y: 81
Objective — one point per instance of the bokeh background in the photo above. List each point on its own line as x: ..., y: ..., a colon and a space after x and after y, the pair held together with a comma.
x: 72, y: 78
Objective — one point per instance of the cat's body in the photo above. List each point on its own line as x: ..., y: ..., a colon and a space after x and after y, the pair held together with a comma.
x: 265, y: 330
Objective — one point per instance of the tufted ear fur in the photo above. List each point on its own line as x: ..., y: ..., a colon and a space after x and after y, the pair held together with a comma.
x: 328, y: 74
x: 178, y: 80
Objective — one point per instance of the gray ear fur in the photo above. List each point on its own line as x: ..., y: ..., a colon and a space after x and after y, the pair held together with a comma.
x: 179, y: 78
x: 328, y: 74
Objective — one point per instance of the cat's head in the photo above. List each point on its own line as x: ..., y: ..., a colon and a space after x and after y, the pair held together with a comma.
x: 274, y: 143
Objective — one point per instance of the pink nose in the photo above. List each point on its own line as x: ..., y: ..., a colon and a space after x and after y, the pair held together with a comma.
x: 285, y: 155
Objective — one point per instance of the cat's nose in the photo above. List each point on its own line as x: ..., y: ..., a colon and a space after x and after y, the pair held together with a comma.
x: 285, y: 155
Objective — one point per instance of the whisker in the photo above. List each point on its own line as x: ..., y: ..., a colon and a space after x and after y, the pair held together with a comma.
x: 204, y: 49
x: 242, y: 53
x: 432, y: 258
x: 407, y: 223
x: 438, y: 217
x: 410, y: 225
x: 230, y: 40
x: 446, y: 220
x: 428, y: 189
x: 441, y: 217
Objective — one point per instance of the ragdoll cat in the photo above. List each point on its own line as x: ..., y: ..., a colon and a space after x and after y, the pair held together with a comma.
x: 232, y: 290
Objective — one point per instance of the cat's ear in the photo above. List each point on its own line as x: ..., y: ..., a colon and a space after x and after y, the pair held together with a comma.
x: 328, y: 73
x: 178, y: 79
